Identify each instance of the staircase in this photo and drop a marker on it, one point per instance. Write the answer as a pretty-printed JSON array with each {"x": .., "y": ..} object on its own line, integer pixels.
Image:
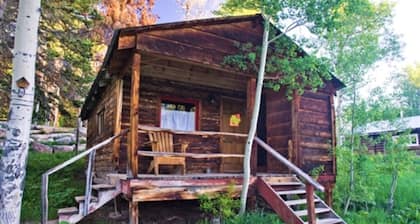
[
  {"x": 103, "y": 193},
  {"x": 287, "y": 197}
]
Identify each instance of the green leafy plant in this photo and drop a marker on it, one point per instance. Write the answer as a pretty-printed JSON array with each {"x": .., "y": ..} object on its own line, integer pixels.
[
  {"x": 316, "y": 171},
  {"x": 220, "y": 205}
]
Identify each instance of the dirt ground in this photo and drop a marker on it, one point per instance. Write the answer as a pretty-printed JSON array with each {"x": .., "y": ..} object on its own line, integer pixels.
[{"x": 173, "y": 212}]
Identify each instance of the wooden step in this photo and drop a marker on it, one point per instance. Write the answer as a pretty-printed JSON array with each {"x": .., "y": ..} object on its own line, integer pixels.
[
  {"x": 67, "y": 211},
  {"x": 100, "y": 187},
  {"x": 317, "y": 211},
  {"x": 286, "y": 184},
  {"x": 328, "y": 221},
  {"x": 82, "y": 199},
  {"x": 300, "y": 201},
  {"x": 300, "y": 191}
]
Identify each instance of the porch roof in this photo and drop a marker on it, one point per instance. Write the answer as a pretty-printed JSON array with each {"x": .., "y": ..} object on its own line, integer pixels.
[{"x": 205, "y": 44}]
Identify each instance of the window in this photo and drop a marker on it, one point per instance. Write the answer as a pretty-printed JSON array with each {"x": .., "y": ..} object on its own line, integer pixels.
[
  {"x": 178, "y": 114},
  {"x": 100, "y": 121},
  {"x": 413, "y": 139}
]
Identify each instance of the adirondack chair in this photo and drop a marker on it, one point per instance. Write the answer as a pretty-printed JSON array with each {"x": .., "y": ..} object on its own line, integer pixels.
[{"x": 162, "y": 141}]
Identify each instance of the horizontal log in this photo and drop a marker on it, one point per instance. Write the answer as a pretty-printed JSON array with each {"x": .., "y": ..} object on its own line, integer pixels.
[
  {"x": 181, "y": 193},
  {"x": 198, "y": 38},
  {"x": 190, "y": 155},
  {"x": 188, "y": 181},
  {"x": 320, "y": 158},
  {"x": 316, "y": 145},
  {"x": 125, "y": 42},
  {"x": 144, "y": 129}
]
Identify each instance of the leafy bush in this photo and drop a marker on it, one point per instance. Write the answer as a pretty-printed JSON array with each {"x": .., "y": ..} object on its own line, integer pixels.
[
  {"x": 407, "y": 215},
  {"x": 221, "y": 205}
]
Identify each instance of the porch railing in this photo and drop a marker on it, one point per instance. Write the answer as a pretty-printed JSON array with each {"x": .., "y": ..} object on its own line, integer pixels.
[
  {"x": 310, "y": 183},
  {"x": 89, "y": 176}
]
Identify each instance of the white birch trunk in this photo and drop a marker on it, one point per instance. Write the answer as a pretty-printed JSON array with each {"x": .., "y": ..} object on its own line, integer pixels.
[
  {"x": 254, "y": 119},
  {"x": 15, "y": 152}
]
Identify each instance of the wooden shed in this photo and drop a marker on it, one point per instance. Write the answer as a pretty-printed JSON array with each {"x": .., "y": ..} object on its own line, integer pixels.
[
  {"x": 373, "y": 133},
  {"x": 171, "y": 78}
]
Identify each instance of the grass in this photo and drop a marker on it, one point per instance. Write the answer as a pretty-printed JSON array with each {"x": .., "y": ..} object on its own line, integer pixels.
[
  {"x": 407, "y": 201},
  {"x": 63, "y": 185}
]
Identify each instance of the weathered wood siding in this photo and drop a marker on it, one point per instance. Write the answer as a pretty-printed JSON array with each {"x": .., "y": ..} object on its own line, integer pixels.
[
  {"x": 151, "y": 92},
  {"x": 107, "y": 103},
  {"x": 306, "y": 121},
  {"x": 206, "y": 44},
  {"x": 278, "y": 127},
  {"x": 315, "y": 128}
]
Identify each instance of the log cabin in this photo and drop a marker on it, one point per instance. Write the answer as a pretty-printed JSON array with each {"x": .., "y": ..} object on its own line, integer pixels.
[
  {"x": 372, "y": 133},
  {"x": 170, "y": 80}
]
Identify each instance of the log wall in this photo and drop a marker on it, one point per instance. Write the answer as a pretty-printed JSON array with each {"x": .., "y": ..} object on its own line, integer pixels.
[
  {"x": 308, "y": 122},
  {"x": 315, "y": 128},
  {"x": 151, "y": 91},
  {"x": 279, "y": 127},
  {"x": 107, "y": 103}
]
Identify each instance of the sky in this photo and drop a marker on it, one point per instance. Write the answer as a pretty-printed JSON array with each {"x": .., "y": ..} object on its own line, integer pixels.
[{"x": 406, "y": 19}]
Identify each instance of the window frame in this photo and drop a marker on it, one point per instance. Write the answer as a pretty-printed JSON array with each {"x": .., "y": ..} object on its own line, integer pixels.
[
  {"x": 100, "y": 121},
  {"x": 180, "y": 100}
]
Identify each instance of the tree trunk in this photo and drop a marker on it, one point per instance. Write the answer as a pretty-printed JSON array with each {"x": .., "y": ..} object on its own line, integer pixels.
[
  {"x": 392, "y": 191},
  {"x": 254, "y": 119},
  {"x": 15, "y": 152},
  {"x": 351, "y": 181}
]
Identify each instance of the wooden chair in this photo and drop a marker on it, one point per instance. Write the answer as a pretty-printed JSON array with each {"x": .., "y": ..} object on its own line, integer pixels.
[{"x": 162, "y": 141}]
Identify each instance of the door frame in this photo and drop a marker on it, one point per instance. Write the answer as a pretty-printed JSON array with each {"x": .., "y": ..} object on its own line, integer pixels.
[{"x": 224, "y": 98}]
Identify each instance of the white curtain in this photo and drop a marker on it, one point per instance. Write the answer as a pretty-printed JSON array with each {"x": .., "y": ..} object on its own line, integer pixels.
[{"x": 177, "y": 120}]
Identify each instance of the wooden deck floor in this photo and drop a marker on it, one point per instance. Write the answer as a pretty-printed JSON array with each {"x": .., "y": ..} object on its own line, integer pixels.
[{"x": 148, "y": 187}]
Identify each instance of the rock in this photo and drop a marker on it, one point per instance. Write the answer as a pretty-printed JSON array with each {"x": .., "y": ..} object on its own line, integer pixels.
[
  {"x": 63, "y": 148},
  {"x": 66, "y": 140},
  {"x": 42, "y": 138},
  {"x": 39, "y": 147},
  {"x": 2, "y": 133}
]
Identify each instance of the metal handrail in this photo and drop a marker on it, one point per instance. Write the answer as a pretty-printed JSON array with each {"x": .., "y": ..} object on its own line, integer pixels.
[
  {"x": 289, "y": 165},
  {"x": 91, "y": 152}
]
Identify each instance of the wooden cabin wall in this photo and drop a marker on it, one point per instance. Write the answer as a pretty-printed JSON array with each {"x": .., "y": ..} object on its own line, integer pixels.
[
  {"x": 151, "y": 91},
  {"x": 306, "y": 121},
  {"x": 107, "y": 104},
  {"x": 315, "y": 131},
  {"x": 278, "y": 127}
]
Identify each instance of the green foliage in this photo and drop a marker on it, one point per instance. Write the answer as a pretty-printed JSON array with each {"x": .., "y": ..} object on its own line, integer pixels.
[
  {"x": 362, "y": 190},
  {"x": 413, "y": 72},
  {"x": 316, "y": 171},
  {"x": 63, "y": 186},
  {"x": 298, "y": 70},
  {"x": 407, "y": 215},
  {"x": 222, "y": 205},
  {"x": 396, "y": 158},
  {"x": 376, "y": 183},
  {"x": 254, "y": 217}
]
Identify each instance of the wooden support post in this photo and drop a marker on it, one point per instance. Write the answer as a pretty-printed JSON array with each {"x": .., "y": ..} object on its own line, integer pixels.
[
  {"x": 310, "y": 203},
  {"x": 254, "y": 159},
  {"x": 117, "y": 128},
  {"x": 250, "y": 96},
  {"x": 329, "y": 194},
  {"x": 134, "y": 212},
  {"x": 296, "y": 154},
  {"x": 134, "y": 117},
  {"x": 78, "y": 125}
]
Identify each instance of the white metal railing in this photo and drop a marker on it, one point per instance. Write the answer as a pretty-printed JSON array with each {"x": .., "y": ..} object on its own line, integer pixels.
[{"x": 89, "y": 176}]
